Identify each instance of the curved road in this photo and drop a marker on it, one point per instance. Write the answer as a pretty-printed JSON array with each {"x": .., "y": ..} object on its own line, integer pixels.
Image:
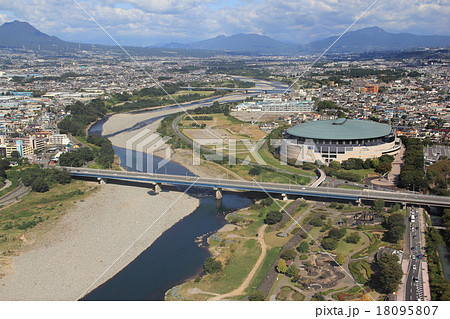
[{"x": 18, "y": 193}]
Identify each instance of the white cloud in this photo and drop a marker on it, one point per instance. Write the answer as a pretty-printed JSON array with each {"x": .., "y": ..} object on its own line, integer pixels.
[{"x": 150, "y": 21}]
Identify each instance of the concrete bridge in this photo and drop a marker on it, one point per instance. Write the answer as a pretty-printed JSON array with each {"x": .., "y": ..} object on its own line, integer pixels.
[
  {"x": 246, "y": 90},
  {"x": 158, "y": 180}
]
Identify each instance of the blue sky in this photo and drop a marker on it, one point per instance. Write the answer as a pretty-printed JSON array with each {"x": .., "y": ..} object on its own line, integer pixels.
[{"x": 148, "y": 22}]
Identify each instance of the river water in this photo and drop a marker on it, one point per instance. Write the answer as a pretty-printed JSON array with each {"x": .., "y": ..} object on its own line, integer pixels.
[
  {"x": 444, "y": 254},
  {"x": 175, "y": 256}
]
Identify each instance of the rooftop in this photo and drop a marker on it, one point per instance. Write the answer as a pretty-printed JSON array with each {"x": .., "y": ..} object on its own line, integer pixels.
[{"x": 340, "y": 129}]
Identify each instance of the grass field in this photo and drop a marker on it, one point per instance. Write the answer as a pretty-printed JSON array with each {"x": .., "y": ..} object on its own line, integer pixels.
[
  {"x": 187, "y": 92},
  {"x": 268, "y": 175},
  {"x": 361, "y": 172},
  {"x": 347, "y": 248},
  {"x": 37, "y": 209},
  {"x": 349, "y": 187},
  {"x": 271, "y": 256},
  {"x": 361, "y": 271},
  {"x": 235, "y": 271},
  {"x": 272, "y": 161}
]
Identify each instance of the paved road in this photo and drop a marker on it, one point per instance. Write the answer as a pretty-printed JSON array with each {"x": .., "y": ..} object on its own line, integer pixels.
[
  {"x": 414, "y": 284},
  {"x": 19, "y": 192},
  {"x": 277, "y": 188}
]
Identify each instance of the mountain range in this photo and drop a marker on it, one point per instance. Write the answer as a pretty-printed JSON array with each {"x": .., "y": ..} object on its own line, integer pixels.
[{"x": 18, "y": 34}]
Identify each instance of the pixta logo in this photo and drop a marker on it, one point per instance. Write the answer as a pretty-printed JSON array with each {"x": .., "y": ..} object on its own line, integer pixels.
[{"x": 141, "y": 148}]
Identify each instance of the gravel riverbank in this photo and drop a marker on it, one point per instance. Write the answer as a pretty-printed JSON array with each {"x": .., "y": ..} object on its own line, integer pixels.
[{"x": 89, "y": 239}]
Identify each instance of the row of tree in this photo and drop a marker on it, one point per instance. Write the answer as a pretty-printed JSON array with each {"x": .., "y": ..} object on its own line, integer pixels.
[
  {"x": 77, "y": 158},
  {"x": 81, "y": 115},
  {"x": 412, "y": 174},
  {"x": 104, "y": 156},
  {"x": 40, "y": 180},
  {"x": 395, "y": 226}
]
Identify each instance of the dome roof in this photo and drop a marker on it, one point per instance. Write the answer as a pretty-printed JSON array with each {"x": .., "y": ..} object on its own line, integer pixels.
[{"x": 340, "y": 129}]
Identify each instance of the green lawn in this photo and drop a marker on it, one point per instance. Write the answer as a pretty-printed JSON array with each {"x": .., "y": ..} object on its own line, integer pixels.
[
  {"x": 272, "y": 161},
  {"x": 238, "y": 266},
  {"x": 347, "y": 248},
  {"x": 269, "y": 260},
  {"x": 267, "y": 175},
  {"x": 349, "y": 187},
  {"x": 361, "y": 271},
  {"x": 361, "y": 172}
]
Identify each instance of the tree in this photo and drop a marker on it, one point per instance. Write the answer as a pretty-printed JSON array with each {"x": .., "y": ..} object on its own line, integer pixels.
[
  {"x": 337, "y": 233},
  {"x": 273, "y": 217},
  {"x": 267, "y": 201},
  {"x": 303, "y": 247},
  {"x": 352, "y": 163},
  {"x": 353, "y": 238},
  {"x": 292, "y": 270},
  {"x": 282, "y": 267},
  {"x": 257, "y": 295},
  {"x": 63, "y": 177},
  {"x": 254, "y": 171},
  {"x": 4, "y": 164},
  {"x": 335, "y": 165},
  {"x": 395, "y": 226},
  {"x": 316, "y": 221},
  {"x": 15, "y": 154},
  {"x": 329, "y": 243},
  {"x": 308, "y": 166},
  {"x": 288, "y": 254},
  {"x": 378, "y": 205},
  {"x": 212, "y": 266},
  {"x": 383, "y": 168},
  {"x": 39, "y": 185},
  {"x": 388, "y": 274}
]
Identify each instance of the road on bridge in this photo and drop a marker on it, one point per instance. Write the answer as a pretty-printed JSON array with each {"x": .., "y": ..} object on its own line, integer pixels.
[{"x": 286, "y": 189}]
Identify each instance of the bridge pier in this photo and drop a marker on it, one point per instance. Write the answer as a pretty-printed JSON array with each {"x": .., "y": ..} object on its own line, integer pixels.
[
  {"x": 405, "y": 206},
  {"x": 284, "y": 197},
  {"x": 101, "y": 181},
  {"x": 218, "y": 193},
  {"x": 359, "y": 202},
  {"x": 157, "y": 188}
]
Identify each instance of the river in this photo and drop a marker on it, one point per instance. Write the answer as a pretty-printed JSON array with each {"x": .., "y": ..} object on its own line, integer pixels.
[
  {"x": 444, "y": 254},
  {"x": 175, "y": 256}
]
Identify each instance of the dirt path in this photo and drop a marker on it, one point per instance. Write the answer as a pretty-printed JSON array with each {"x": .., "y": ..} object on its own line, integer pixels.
[{"x": 241, "y": 289}]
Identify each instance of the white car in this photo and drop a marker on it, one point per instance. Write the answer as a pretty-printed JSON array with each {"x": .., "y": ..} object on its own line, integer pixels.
[{"x": 414, "y": 267}]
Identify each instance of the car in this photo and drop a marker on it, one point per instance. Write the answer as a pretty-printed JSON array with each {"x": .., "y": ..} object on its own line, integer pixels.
[
  {"x": 412, "y": 248},
  {"x": 416, "y": 279},
  {"x": 419, "y": 256},
  {"x": 414, "y": 236},
  {"x": 414, "y": 267},
  {"x": 413, "y": 257}
]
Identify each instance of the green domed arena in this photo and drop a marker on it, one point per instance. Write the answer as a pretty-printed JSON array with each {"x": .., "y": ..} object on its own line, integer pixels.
[{"x": 338, "y": 140}]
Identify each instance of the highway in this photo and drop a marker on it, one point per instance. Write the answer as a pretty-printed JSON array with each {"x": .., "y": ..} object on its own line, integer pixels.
[
  {"x": 414, "y": 282},
  {"x": 276, "y": 188}
]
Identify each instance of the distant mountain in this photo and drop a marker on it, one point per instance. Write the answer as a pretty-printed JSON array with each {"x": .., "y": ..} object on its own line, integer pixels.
[
  {"x": 252, "y": 43},
  {"x": 17, "y": 34},
  {"x": 376, "y": 39}
]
